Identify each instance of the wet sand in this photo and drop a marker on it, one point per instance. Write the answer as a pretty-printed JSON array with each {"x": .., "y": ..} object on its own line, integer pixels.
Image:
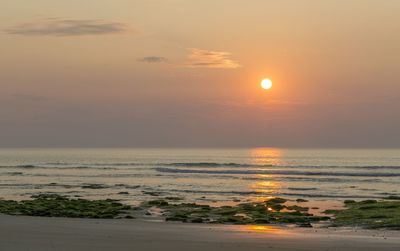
[{"x": 19, "y": 233}]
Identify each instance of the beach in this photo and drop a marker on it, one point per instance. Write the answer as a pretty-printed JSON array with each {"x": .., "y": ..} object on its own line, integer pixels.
[
  {"x": 20, "y": 233},
  {"x": 143, "y": 196}
]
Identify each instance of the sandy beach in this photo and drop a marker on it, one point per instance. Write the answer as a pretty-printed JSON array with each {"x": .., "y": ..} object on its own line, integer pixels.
[{"x": 20, "y": 233}]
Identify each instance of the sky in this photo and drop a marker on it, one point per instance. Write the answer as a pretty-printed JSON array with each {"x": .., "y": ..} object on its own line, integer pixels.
[{"x": 187, "y": 73}]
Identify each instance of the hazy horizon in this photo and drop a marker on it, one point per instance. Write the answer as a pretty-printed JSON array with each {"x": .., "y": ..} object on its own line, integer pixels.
[{"x": 179, "y": 73}]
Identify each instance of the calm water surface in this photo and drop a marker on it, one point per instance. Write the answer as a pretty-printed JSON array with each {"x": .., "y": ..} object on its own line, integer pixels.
[{"x": 200, "y": 175}]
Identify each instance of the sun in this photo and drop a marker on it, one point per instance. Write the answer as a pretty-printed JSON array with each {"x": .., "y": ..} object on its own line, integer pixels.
[{"x": 266, "y": 84}]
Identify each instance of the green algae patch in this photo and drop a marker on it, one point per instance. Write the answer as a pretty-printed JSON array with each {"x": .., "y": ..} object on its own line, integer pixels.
[
  {"x": 52, "y": 205},
  {"x": 393, "y": 197},
  {"x": 172, "y": 198},
  {"x": 267, "y": 212},
  {"x": 94, "y": 186},
  {"x": 301, "y": 200},
  {"x": 370, "y": 214}
]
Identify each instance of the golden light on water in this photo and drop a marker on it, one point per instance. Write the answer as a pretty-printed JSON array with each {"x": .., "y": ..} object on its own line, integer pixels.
[
  {"x": 265, "y": 186},
  {"x": 266, "y": 229},
  {"x": 266, "y": 84},
  {"x": 262, "y": 228},
  {"x": 266, "y": 156},
  {"x": 263, "y": 198}
]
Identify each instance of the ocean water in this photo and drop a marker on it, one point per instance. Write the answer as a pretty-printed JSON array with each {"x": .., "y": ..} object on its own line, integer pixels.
[{"x": 200, "y": 175}]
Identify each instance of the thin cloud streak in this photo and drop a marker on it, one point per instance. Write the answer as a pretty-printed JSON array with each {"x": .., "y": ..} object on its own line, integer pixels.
[
  {"x": 67, "y": 27},
  {"x": 211, "y": 59},
  {"x": 153, "y": 59}
]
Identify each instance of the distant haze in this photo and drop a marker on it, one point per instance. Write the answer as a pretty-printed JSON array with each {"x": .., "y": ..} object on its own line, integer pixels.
[{"x": 182, "y": 73}]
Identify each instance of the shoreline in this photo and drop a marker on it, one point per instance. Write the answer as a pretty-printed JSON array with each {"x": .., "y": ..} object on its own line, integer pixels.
[
  {"x": 19, "y": 233},
  {"x": 369, "y": 214}
]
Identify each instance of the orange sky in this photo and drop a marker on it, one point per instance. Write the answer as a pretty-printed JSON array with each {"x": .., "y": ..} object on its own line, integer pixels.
[{"x": 174, "y": 73}]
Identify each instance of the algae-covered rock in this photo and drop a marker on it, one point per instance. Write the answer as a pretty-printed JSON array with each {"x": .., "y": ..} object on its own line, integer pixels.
[
  {"x": 52, "y": 205},
  {"x": 393, "y": 197},
  {"x": 276, "y": 200},
  {"x": 368, "y": 214},
  {"x": 301, "y": 200},
  {"x": 151, "y": 193},
  {"x": 269, "y": 211},
  {"x": 276, "y": 204},
  {"x": 173, "y": 198},
  {"x": 159, "y": 203},
  {"x": 298, "y": 208},
  {"x": 94, "y": 186},
  {"x": 197, "y": 220},
  {"x": 304, "y": 224}
]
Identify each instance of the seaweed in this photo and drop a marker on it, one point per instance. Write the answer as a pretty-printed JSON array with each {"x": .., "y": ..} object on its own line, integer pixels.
[
  {"x": 369, "y": 214},
  {"x": 94, "y": 186},
  {"x": 269, "y": 211},
  {"x": 53, "y": 205},
  {"x": 301, "y": 200}
]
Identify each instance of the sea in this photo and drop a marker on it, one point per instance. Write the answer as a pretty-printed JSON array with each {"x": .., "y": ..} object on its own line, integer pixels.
[{"x": 201, "y": 175}]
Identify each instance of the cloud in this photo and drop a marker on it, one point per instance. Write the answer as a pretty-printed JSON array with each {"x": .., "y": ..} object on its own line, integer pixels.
[
  {"x": 67, "y": 27},
  {"x": 211, "y": 59},
  {"x": 153, "y": 59}
]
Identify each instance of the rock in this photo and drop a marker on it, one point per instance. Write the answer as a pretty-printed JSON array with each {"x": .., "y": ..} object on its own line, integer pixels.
[
  {"x": 393, "y": 197},
  {"x": 301, "y": 200},
  {"x": 196, "y": 220},
  {"x": 151, "y": 193},
  {"x": 304, "y": 224},
  {"x": 53, "y": 205},
  {"x": 94, "y": 186},
  {"x": 174, "y": 198}
]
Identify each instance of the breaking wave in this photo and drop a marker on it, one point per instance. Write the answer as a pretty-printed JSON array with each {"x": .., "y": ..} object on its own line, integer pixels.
[{"x": 279, "y": 172}]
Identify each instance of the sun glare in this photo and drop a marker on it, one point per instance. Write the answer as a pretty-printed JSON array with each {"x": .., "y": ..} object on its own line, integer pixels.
[{"x": 266, "y": 84}]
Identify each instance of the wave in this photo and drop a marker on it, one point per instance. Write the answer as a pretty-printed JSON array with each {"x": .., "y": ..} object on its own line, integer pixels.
[
  {"x": 345, "y": 167},
  {"x": 115, "y": 165},
  {"x": 56, "y": 167},
  {"x": 314, "y": 179},
  {"x": 302, "y": 188},
  {"x": 299, "y": 195},
  {"x": 26, "y": 166},
  {"x": 279, "y": 172},
  {"x": 96, "y": 164},
  {"x": 212, "y": 164}
]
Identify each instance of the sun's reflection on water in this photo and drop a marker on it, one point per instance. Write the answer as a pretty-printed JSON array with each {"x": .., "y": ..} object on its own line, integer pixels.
[
  {"x": 266, "y": 158},
  {"x": 263, "y": 229},
  {"x": 265, "y": 186}
]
